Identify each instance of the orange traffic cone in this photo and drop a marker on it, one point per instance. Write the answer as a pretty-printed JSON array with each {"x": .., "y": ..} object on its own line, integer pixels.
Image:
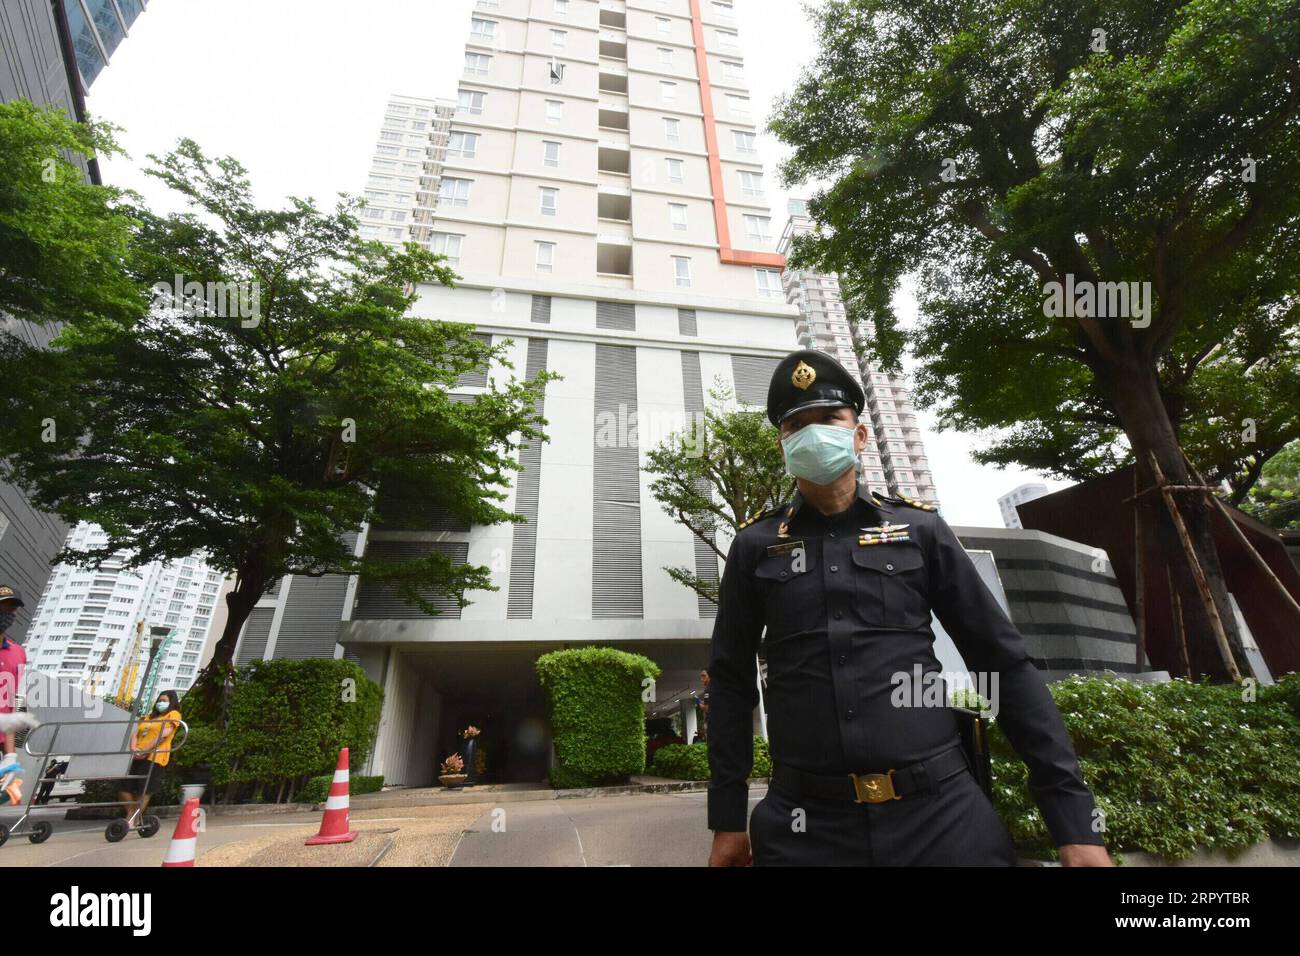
[
  {"x": 180, "y": 852},
  {"x": 334, "y": 824}
]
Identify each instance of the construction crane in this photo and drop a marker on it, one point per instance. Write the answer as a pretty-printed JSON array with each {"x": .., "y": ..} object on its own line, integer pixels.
[
  {"x": 145, "y": 698},
  {"x": 130, "y": 668}
]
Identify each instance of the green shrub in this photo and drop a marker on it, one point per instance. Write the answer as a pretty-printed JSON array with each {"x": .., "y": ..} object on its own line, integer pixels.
[
  {"x": 318, "y": 788},
  {"x": 691, "y": 761},
  {"x": 597, "y": 713},
  {"x": 285, "y": 722},
  {"x": 1173, "y": 766}
]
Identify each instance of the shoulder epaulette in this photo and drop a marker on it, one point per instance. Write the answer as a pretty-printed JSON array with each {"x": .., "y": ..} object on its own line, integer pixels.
[
  {"x": 912, "y": 503},
  {"x": 758, "y": 517}
]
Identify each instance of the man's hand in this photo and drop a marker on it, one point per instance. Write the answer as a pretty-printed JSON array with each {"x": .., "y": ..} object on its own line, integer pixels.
[
  {"x": 730, "y": 849},
  {"x": 1082, "y": 854}
]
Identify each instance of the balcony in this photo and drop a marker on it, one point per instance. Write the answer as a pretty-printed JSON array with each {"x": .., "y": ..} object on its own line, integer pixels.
[
  {"x": 613, "y": 19},
  {"x": 615, "y": 158},
  {"x": 616, "y": 207}
]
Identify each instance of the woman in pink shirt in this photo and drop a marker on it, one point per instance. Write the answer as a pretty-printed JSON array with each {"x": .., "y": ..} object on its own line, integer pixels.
[{"x": 12, "y": 661}]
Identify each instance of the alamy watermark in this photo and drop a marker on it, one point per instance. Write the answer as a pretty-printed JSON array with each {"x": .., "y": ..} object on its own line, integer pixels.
[
  {"x": 1098, "y": 300},
  {"x": 225, "y": 300}
]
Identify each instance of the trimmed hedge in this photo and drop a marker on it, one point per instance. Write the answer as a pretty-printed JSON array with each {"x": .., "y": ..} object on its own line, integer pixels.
[
  {"x": 318, "y": 788},
  {"x": 1173, "y": 766},
  {"x": 691, "y": 761},
  {"x": 597, "y": 714},
  {"x": 285, "y": 722}
]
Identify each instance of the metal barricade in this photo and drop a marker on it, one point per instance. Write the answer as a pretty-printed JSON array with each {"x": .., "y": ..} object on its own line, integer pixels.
[{"x": 146, "y": 824}]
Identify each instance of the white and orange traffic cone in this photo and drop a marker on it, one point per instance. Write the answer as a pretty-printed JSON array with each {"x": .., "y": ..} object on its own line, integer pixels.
[
  {"x": 334, "y": 824},
  {"x": 180, "y": 852}
]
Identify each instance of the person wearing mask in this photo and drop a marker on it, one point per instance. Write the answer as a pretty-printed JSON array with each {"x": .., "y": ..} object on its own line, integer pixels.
[{"x": 151, "y": 750}]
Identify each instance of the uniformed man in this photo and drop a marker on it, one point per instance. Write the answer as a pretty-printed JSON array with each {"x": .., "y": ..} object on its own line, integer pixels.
[{"x": 844, "y": 582}]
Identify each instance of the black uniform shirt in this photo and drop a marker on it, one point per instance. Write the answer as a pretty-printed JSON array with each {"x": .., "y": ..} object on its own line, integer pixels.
[{"x": 842, "y": 619}]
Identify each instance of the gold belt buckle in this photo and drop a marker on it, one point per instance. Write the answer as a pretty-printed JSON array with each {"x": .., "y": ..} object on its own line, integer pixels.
[{"x": 874, "y": 787}]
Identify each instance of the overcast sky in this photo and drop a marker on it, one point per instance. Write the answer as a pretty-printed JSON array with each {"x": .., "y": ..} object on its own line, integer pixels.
[{"x": 295, "y": 90}]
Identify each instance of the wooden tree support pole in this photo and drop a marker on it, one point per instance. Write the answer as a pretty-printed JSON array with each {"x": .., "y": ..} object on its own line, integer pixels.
[
  {"x": 1256, "y": 558},
  {"x": 1198, "y": 573},
  {"x": 1139, "y": 577}
]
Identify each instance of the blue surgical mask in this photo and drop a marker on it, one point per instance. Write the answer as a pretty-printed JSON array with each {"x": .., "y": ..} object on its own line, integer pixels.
[
  {"x": 161, "y": 706},
  {"x": 820, "y": 453}
]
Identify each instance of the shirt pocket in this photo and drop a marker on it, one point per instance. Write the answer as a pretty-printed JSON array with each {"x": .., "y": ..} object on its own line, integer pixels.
[
  {"x": 890, "y": 588},
  {"x": 793, "y": 598}
]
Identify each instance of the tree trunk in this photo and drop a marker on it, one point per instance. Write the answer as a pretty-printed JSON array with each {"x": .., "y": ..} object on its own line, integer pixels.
[
  {"x": 1137, "y": 401},
  {"x": 207, "y": 687}
]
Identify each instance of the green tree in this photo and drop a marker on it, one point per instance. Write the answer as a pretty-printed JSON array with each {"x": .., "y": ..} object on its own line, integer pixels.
[
  {"x": 715, "y": 473},
  {"x": 1276, "y": 499},
  {"x": 1000, "y": 149},
  {"x": 277, "y": 405},
  {"x": 63, "y": 241}
]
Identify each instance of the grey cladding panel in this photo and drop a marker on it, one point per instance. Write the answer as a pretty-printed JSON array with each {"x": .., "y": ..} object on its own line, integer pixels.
[
  {"x": 753, "y": 375},
  {"x": 312, "y": 613},
  {"x": 616, "y": 508},
  {"x": 619, "y": 316},
  {"x": 686, "y": 322},
  {"x": 256, "y": 630},
  {"x": 377, "y": 600},
  {"x": 541, "y": 310},
  {"x": 478, "y": 377},
  {"x": 523, "y": 553}
]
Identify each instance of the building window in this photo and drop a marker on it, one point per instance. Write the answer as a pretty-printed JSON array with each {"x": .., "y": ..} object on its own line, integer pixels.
[
  {"x": 550, "y": 200},
  {"x": 682, "y": 269},
  {"x": 551, "y": 154},
  {"x": 745, "y": 141},
  {"x": 738, "y": 105},
  {"x": 477, "y": 63},
  {"x": 675, "y": 171},
  {"x": 668, "y": 91},
  {"x": 471, "y": 102},
  {"x": 672, "y": 130},
  {"x": 447, "y": 244},
  {"x": 561, "y": 8},
  {"x": 483, "y": 29},
  {"x": 723, "y": 8},
  {"x": 545, "y": 257},
  {"x": 454, "y": 192},
  {"x": 751, "y": 183},
  {"x": 759, "y": 228},
  {"x": 728, "y": 39},
  {"x": 462, "y": 144},
  {"x": 559, "y": 38},
  {"x": 554, "y": 111},
  {"x": 556, "y": 72},
  {"x": 769, "y": 283},
  {"x": 734, "y": 70},
  {"x": 677, "y": 216},
  {"x": 665, "y": 25},
  {"x": 666, "y": 55}
]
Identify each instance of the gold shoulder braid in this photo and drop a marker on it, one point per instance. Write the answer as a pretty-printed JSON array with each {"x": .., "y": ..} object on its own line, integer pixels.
[
  {"x": 756, "y": 517},
  {"x": 916, "y": 504}
]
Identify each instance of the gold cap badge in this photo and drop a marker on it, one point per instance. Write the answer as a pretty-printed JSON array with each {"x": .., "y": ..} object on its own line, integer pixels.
[{"x": 803, "y": 375}]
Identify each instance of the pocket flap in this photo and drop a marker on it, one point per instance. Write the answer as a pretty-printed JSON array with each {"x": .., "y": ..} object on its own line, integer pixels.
[
  {"x": 780, "y": 567},
  {"x": 887, "y": 559}
]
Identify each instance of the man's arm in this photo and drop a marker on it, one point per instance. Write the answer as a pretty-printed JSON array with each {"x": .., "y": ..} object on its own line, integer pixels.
[
  {"x": 989, "y": 643},
  {"x": 733, "y": 695}
]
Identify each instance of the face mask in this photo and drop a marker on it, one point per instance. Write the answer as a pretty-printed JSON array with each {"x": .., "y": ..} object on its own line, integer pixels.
[
  {"x": 820, "y": 453},
  {"x": 7, "y": 619},
  {"x": 161, "y": 706}
]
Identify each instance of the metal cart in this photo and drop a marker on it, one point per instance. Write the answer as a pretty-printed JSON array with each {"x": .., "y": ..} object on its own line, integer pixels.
[{"x": 37, "y": 830}]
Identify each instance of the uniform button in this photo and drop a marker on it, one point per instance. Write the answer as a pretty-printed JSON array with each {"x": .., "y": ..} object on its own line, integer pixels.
[
  {"x": 832, "y": 534},
  {"x": 889, "y": 567},
  {"x": 842, "y": 660},
  {"x": 849, "y": 715},
  {"x": 836, "y": 567}
]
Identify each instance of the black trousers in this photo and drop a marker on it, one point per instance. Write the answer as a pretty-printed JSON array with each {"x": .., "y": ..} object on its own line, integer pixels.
[{"x": 953, "y": 825}]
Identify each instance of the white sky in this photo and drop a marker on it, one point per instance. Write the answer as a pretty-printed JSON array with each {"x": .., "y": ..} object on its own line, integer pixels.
[{"x": 295, "y": 90}]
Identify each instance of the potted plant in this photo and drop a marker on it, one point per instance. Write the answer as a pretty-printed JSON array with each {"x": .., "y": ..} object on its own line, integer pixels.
[
  {"x": 470, "y": 736},
  {"x": 452, "y": 774}
]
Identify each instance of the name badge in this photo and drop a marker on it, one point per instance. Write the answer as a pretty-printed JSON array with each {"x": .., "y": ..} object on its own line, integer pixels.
[{"x": 775, "y": 549}]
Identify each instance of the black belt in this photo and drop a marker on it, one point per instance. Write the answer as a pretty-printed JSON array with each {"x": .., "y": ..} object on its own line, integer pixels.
[{"x": 919, "y": 777}]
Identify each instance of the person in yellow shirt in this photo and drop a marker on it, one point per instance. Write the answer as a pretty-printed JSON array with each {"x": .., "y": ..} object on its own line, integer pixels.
[{"x": 151, "y": 749}]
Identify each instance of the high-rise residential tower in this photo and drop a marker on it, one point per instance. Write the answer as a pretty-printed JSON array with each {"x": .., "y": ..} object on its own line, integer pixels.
[
  {"x": 406, "y": 172},
  {"x": 84, "y": 627},
  {"x": 604, "y": 203},
  {"x": 895, "y": 461},
  {"x": 1018, "y": 496}
]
